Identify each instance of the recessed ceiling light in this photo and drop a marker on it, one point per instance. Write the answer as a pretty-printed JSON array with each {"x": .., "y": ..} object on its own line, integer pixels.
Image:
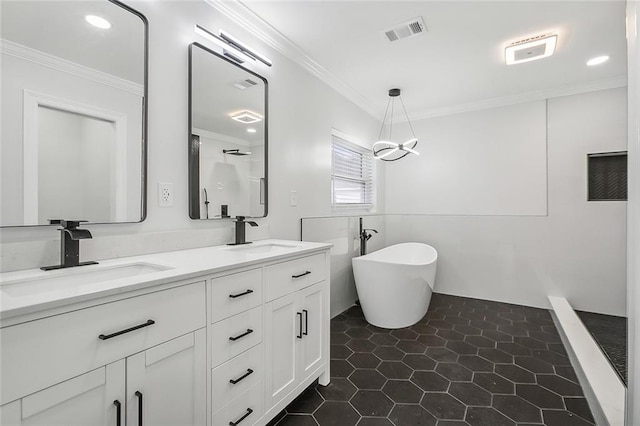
[
  {"x": 98, "y": 22},
  {"x": 246, "y": 116},
  {"x": 530, "y": 49},
  {"x": 251, "y": 130},
  {"x": 598, "y": 60}
]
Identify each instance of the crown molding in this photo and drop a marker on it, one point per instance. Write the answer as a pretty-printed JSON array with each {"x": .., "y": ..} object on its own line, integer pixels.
[
  {"x": 41, "y": 58},
  {"x": 239, "y": 13}
]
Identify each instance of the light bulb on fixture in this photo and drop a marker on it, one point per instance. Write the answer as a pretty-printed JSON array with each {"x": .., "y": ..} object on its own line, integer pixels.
[
  {"x": 251, "y": 130},
  {"x": 598, "y": 60},
  {"x": 386, "y": 150}
]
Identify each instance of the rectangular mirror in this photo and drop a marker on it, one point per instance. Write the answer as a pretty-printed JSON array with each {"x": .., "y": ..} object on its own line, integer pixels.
[
  {"x": 73, "y": 92},
  {"x": 227, "y": 138}
]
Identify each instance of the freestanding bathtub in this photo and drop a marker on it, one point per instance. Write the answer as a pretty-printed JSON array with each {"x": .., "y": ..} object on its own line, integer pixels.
[{"x": 395, "y": 283}]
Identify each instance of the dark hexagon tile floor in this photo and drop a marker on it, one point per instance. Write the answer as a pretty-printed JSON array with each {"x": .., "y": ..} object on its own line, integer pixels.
[{"x": 468, "y": 362}]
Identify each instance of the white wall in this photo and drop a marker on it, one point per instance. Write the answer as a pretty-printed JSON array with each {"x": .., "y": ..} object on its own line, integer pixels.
[
  {"x": 302, "y": 109},
  {"x": 490, "y": 162},
  {"x": 576, "y": 251}
]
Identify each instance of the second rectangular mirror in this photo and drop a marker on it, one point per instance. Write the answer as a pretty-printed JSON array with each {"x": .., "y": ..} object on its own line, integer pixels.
[{"x": 227, "y": 138}]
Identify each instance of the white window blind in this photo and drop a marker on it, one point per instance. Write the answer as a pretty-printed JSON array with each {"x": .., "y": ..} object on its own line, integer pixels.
[{"x": 352, "y": 174}]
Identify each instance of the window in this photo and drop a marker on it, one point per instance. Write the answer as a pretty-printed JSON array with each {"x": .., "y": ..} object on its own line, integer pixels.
[
  {"x": 607, "y": 176},
  {"x": 351, "y": 175}
]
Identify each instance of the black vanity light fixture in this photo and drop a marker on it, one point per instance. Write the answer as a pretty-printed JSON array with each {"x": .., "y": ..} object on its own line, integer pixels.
[
  {"x": 232, "y": 47},
  {"x": 386, "y": 150}
]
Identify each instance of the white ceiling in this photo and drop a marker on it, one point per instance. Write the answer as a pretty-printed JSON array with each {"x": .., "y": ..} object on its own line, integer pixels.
[{"x": 458, "y": 64}]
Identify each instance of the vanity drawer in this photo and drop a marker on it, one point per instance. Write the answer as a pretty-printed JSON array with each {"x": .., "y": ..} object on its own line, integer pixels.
[
  {"x": 286, "y": 277},
  {"x": 248, "y": 405},
  {"x": 40, "y": 353},
  {"x": 235, "y": 335},
  {"x": 245, "y": 370},
  {"x": 235, "y": 293}
]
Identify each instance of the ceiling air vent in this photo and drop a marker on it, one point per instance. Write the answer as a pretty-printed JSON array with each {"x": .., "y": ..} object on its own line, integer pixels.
[
  {"x": 244, "y": 84},
  {"x": 410, "y": 28}
]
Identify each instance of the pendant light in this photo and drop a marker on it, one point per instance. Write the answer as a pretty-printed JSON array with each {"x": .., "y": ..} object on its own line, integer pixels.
[{"x": 387, "y": 150}]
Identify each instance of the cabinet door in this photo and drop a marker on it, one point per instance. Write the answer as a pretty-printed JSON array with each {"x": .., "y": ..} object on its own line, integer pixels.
[
  {"x": 90, "y": 399},
  {"x": 166, "y": 385},
  {"x": 312, "y": 305},
  {"x": 282, "y": 331}
]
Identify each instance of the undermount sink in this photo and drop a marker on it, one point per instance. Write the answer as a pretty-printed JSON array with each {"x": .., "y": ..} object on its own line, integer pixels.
[
  {"x": 75, "y": 278},
  {"x": 257, "y": 248}
]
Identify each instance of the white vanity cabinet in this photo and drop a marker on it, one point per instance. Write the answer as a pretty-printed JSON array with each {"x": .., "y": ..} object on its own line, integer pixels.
[
  {"x": 296, "y": 328},
  {"x": 99, "y": 365}
]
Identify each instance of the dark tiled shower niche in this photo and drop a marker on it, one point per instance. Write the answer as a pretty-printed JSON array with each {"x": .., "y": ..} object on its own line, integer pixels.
[{"x": 467, "y": 362}]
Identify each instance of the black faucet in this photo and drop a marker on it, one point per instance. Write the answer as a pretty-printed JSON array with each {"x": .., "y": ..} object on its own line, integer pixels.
[
  {"x": 240, "y": 230},
  {"x": 70, "y": 244},
  {"x": 364, "y": 237}
]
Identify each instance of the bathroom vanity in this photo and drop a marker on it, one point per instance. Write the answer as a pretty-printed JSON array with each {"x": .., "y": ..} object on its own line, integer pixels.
[{"x": 210, "y": 336}]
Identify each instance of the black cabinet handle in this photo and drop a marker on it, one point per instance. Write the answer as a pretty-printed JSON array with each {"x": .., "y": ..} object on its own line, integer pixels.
[
  {"x": 118, "y": 411},
  {"x": 306, "y": 322},
  {"x": 237, "y": 422},
  {"x": 299, "y": 314},
  {"x": 244, "y": 376},
  {"x": 233, "y": 296},
  {"x": 139, "y": 395},
  {"x": 301, "y": 275},
  {"x": 118, "y": 333},
  {"x": 249, "y": 331}
]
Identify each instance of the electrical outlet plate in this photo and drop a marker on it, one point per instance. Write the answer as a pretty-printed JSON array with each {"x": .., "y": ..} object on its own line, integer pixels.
[{"x": 165, "y": 194}]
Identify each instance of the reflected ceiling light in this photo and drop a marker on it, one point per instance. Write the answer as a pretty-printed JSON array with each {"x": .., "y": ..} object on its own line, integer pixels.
[
  {"x": 598, "y": 60},
  {"x": 246, "y": 116},
  {"x": 227, "y": 49},
  {"x": 244, "y": 48},
  {"x": 530, "y": 49},
  {"x": 386, "y": 150},
  {"x": 251, "y": 130},
  {"x": 98, "y": 22}
]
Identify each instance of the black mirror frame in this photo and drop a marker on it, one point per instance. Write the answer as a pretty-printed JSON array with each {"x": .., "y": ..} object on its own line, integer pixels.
[{"x": 194, "y": 148}]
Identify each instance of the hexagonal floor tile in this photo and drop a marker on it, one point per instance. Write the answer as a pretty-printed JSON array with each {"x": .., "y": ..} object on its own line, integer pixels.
[
  {"x": 563, "y": 418},
  {"x": 375, "y": 421},
  {"x": 371, "y": 403},
  {"x": 534, "y": 365},
  {"x": 383, "y": 340},
  {"x": 431, "y": 340},
  {"x": 495, "y": 355},
  {"x": 470, "y": 393},
  {"x": 336, "y": 414},
  {"x": 462, "y": 348},
  {"x": 340, "y": 352},
  {"x": 423, "y": 329},
  {"x": 441, "y": 354},
  {"x": 297, "y": 420},
  {"x": 405, "y": 334},
  {"x": 443, "y": 405},
  {"x": 559, "y": 385},
  {"x": 411, "y": 346},
  {"x": 402, "y": 392},
  {"x": 340, "y": 368},
  {"x": 484, "y": 416},
  {"x": 494, "y": 383},
  {"x": 430, "y": 381},
  {"x": 539, "y": 396},
  {"x": 454, "y": 371},
  {"x": 515, "y": 374},
  {"x": 498, "y": 336},
  {"x": 361, "y": 345},
  {"x": 359, "y": 333},
  {"x": 450, "y": 335},
  {"x": 337, "y": 390},
  {"x": 388, "y": 353},
  {"x": 411, "y": 414},
  {"x": 367, "y": 379},
  {"x": 475, "y": 363},
  {"x": 517, "y": 408},
  {"x": 364, "y": 360},
  {"x": 480, "y": 341},
  {"x": 395, "y": 370},
  {"x": 419, "y": 362},
  {"x": 306, "y": 403}
]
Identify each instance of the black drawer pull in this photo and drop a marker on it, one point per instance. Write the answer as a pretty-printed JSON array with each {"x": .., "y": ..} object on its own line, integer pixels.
[
  {"x": 139, "y": 395},
  {"x": 244, "y": 376},
  {"x": 118, "y": 333},
  {"x": 301, "y": 275},
  {"x": 237, "y": 422},
  {"x": 306, "y": 322},
  {"x": 299, "y": 314},
  {"x": 118, "y": 411},
  {"x": 233, "y": 296},
  {"x": 249, "y": 331}
]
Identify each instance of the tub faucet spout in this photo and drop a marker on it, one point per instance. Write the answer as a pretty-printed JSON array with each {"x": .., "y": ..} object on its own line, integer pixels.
[{"x": 364, "y": 237}]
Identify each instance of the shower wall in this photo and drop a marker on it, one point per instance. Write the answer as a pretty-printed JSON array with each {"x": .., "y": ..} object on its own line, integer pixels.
[{"x": 342, "y": 232}]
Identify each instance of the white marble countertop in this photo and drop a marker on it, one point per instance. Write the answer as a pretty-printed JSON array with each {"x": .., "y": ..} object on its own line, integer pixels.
[{"x": 33, "y": 290}]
